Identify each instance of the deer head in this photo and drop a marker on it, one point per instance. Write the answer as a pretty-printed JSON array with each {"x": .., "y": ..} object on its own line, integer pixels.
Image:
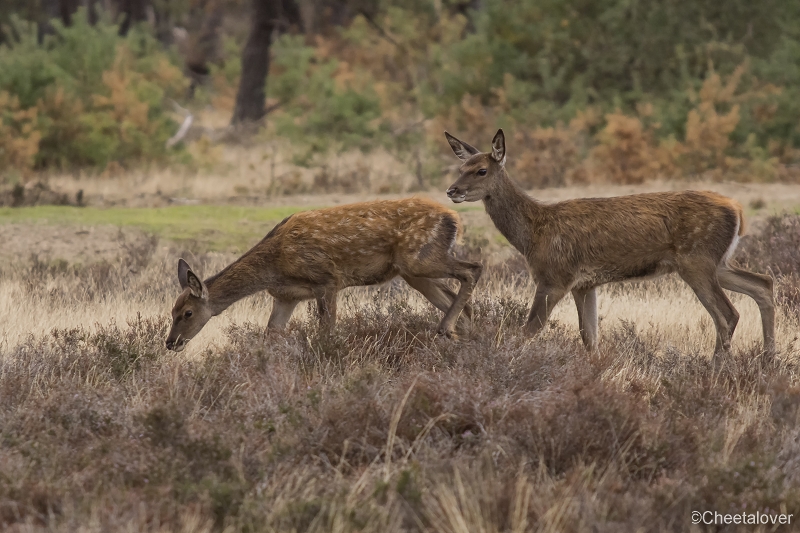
[
  {"x": 191, "y": 310},
  {"x": 479, "y": 170}
]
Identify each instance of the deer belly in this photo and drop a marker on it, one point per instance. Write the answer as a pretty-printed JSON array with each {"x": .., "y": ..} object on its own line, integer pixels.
[
  {"x": 639, "y": 272},
  {"x": 369, "y": 273},
  {"x": 650, "y": 271}
]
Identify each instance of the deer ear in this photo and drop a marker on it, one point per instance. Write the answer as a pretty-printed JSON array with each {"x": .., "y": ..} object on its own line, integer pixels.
[
  {"x": 197, "y": 287},
  {"x": 189, "y": 279},
  {"x": 499, "y": 147},
  {"x": 183, "y": 270},
  {"x": 462, "y": 150}
]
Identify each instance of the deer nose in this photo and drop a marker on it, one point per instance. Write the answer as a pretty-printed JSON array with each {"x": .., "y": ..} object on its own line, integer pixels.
[
  {"x": 452, "y": 191},
  {"x": 170, "y": 344}
]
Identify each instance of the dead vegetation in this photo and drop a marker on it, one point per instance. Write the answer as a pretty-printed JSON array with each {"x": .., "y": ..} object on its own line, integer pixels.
[
  {"x": 380, "y": 426},
  {"x": 36, "y": 193}
]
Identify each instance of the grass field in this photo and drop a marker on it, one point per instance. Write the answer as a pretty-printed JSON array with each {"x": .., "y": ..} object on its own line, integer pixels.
[
  {"x": 378, "y": 425},
  {"x": 223, "y": 228},
  {"x": 218, "y": 228}
]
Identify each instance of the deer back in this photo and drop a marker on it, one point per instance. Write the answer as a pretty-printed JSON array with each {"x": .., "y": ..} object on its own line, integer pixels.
[
  {"x": 636, "y": 236},
  {"x": 362, "y": 244}
]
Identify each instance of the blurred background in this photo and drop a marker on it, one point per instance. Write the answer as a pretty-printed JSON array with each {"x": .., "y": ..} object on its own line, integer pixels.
[
  {"x": 352, "y": 96},
  {"x": 135, "y": 132}
]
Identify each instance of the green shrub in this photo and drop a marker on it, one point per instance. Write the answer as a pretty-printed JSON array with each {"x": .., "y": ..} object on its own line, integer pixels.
[
  {"x": 398, "y": 73},
  {"x": 337, "y": 108},
  {"x": 726, "y": 76},
  {"x": 97, "y": 97}
]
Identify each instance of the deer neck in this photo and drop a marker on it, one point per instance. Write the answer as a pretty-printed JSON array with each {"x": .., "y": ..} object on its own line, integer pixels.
[
  {"x": 248, "y": 275},
  {"x": 512, "y": 211}
]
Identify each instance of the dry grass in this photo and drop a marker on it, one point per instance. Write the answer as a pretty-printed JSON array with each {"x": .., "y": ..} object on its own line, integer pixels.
[
  {"x": 256, "y": 172},
  {"x": 244, "y": 173},
  {"x": 379, "y": 425}
]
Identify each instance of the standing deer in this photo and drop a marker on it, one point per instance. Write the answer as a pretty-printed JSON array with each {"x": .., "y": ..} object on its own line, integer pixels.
[
  {"x": 315, "y": 254},
  {"x": 577, "y": 245}
]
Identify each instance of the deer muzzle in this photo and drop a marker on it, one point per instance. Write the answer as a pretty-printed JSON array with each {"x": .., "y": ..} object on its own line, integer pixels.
[
  {"x": 456, "y": 195},
  {"x": 176, "y": 344}
]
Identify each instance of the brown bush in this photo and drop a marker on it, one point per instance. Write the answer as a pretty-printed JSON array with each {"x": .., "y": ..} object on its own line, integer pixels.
[
  {"x": 708, "y": 130},
  {"x": 547, "y": 157},
  {"x": 627, "y": 152},
  {"x": 356, "y": 180},
  {"x": 19, "y": 139},
  {"x": 33, "y": 193},
  {"x": 776, "y": 249}
]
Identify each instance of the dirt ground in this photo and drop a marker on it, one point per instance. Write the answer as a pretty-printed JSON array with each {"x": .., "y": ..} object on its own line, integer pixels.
[{"x": 74, "y": 244}]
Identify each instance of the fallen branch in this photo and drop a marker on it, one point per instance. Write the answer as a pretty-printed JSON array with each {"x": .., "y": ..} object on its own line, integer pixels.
[{"x": 184, "y": 129}]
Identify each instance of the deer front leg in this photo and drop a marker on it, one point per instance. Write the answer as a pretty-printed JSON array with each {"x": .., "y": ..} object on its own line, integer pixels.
[
  {"x": 544, "y": 301},
  {"x": 326, "y": 306},
  {"x": 586, "y": 302},
  {"x": 281, "y": 313}
]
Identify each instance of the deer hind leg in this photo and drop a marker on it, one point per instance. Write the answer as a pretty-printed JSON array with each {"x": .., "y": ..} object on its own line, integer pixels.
[
  {"x": 466, "y": 272},
  {"x": 708, "y": 290},
  {"x": 759, "y": 288},
  {"x": 281, "y": 313},
  {"x": 544, "y": 301},
  {"x": 586, "y": 302},
  {"x": 440, "y": 295}
]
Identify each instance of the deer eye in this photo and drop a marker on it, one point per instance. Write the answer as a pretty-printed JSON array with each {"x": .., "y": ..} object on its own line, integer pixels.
[
  {"x": 482, "y": 172},
  {"x": 187, "y": 314}
]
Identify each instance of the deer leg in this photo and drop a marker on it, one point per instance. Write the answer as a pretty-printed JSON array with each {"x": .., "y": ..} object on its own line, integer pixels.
[
  {"x": 281, "y": 313},
  {"x": 710, "y": 294},
  {"x": 467, "y": 273},
  {"x": 759, "y": 288},
  {"x": 326, "y": 306},
  {"x": 544, "y": 301},
  {"x": 586, "y": 302},
  {"x": 440, "y": 296}
]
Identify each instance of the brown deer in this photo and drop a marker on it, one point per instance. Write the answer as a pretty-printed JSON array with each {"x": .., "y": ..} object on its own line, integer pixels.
[
  {"x": 577, "y": 245},
  {"x": 315, "y": 254}
]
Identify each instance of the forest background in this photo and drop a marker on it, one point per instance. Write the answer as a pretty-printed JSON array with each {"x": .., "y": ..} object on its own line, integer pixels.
[{"x": 611, "y": 91}]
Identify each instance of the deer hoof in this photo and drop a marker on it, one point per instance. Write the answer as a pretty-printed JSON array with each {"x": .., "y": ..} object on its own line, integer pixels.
[
  {"x": 770, "y": 351},
  {"x": 449, "y": 333}
]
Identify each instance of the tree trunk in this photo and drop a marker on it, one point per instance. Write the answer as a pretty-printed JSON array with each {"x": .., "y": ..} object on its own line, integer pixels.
[
  {"x": 268, "y": 16},
  {"x": 251, "y": 97},
  {"x": 50, "y": 10},
  {"x": 135, "y": 11}
]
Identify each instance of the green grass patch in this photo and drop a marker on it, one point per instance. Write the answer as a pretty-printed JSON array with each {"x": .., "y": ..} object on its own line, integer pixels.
[
  {"x": 215, "y": 228},
  {"x": 201, "y": 227}
]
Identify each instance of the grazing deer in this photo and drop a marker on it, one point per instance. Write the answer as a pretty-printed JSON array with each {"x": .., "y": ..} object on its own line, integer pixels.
[
  {"x": 577, "y": 245},
  {"x": 315, "y": 254}
]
